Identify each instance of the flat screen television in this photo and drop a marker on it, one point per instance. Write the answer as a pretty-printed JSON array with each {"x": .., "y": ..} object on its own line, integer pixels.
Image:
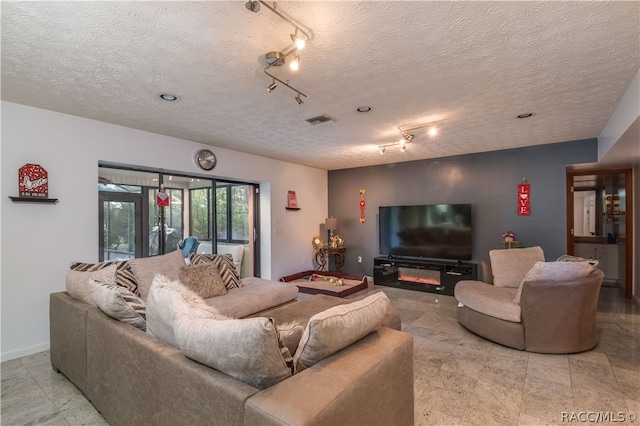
[{"x": 438, "y": 231}]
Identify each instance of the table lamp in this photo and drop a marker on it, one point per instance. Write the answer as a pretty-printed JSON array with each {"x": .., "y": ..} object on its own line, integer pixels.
[{"x": 331, "y": 223}]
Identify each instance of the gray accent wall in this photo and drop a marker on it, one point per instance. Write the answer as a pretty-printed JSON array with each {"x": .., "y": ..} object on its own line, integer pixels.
[{"x": 488, "y": 181}]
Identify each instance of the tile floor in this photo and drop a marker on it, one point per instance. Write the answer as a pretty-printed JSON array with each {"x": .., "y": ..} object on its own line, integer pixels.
[{"x": 460, "y": 379}]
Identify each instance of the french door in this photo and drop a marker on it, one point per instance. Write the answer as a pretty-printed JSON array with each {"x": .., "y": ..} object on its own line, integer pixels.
[{"x": 120, "y": 235}]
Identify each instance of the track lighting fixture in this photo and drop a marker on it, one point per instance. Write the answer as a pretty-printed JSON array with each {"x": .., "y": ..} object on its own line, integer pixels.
[
  {"x": 276, "y": 59},
  {"x": 407, "y": 136},
  {"x": 409, "y": 129}
]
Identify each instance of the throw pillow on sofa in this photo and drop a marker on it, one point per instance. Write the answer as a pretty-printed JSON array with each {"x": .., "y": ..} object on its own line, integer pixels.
[
  {"x": 556, "y": 271},
  {"x": 510, "y": 266},
  {"x": 124, "y": 274},
  {"x": 146, "y": 268},
  {"x": 119, "y": 303},
  {"x": 166, "y": 300},
  {"x": 338, "y": 327},
  {"x": 203, "y": 279},
  {"x": 224, "y": 263},
  {"x": 77, "y": 282},
  {"x": 246, "y": 349}
]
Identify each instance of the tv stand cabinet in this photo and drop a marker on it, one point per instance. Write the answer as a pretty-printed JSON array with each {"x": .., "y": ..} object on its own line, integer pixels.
[{"x": 431, "y": 275}]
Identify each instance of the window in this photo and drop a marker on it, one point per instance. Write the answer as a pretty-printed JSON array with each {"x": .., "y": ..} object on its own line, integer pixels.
[
  {"x": 232, "y": 206},
  {"x": 133, "y": 225},
  {"x": 200, "y": 216}
]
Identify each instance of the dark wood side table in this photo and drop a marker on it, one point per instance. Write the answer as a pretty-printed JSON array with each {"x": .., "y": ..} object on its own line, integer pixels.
[{"x": 321, "y": 256}]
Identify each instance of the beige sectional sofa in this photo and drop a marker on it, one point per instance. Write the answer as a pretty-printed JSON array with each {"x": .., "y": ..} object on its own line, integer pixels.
[{"x": 132, "y": 377}]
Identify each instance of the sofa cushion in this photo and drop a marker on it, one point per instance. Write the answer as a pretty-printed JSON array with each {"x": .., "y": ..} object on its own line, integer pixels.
[
  {"x": 246, "y": 349},
  {"x": 119, "y": 303},
  {"x": 146, "y": 268},
  {"x": 77, "y": 282},
  {"x": 556, "y": 271},
  {"x": 169, "y": 298},
  {"x": 203, "y": 279},
  {"x": 488, "y": 299},
  {"x": 338, "y": 327},
  {"x": 224, "y": 263},
  {"x": 255, "y": 296},
  {"x": 510, "y": 266}
]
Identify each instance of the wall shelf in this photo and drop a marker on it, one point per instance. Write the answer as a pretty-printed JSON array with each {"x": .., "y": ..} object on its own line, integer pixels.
[
  {"x": 34, "y": 200},
  {"x": 292, "y": 208}
]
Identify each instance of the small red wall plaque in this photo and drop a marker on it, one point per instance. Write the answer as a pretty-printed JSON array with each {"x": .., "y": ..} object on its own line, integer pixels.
[
  {"x": 162, "y": 198},
  {"x": 524, "y": 199},
  {"x": 33, "y": 181}
]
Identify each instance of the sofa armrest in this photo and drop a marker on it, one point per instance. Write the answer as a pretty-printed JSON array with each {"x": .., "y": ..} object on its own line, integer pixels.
[
  {"x": 68, "y": 337},
  {"x": 369, "y": 382},
  {"x": 560, "y": 316}
]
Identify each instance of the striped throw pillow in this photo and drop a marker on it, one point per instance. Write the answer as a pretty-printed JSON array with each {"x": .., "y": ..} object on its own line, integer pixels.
[
  {"x": 124, "y": 273},
  {"x": 119, "y": 303}
]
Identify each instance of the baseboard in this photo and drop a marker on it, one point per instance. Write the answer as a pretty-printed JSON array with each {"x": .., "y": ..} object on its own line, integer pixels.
[{"x": 19, "y": 353}]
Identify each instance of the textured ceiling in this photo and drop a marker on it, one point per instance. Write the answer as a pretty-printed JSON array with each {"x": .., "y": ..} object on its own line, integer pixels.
[{"x": 475, "y": 65}]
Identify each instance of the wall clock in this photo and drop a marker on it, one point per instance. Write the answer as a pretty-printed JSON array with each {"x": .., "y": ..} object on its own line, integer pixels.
[{"x": 205, "y": 159}]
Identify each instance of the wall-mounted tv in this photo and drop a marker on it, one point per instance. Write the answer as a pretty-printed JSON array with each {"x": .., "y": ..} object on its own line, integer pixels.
[{"x": 438, "y": 231}]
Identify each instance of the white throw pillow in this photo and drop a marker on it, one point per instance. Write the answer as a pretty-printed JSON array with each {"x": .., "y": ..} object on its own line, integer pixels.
[
  {"x": 146, "y": 268},
  {"x": 338, "y": 327},
  {"x": 510, "y": 266},
  {"x": 77, "y": 283},
  {"x": 169, "y": 298},
  {"x": 119, "y": 303},
  {"x": 555, "y": 271},
  {"x": 246, "y": 349}
]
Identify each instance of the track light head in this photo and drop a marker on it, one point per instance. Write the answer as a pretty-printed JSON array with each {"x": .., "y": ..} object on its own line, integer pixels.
[
  {"x": 299, "y": 99},
  {"x": 272, "y": 86},
  {"x": 381, "y": 150},
  {"x": 295, "y": 64},
  {"x": 299, "y": 42},
  {"x": 253, "y": 6}
]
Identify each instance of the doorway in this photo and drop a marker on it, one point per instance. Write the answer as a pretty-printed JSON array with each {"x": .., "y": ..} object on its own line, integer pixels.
[{"x": 600, "y": 221}]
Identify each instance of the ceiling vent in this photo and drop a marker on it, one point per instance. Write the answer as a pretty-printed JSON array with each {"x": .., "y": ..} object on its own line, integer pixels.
[{"x": 320, "y": 119}]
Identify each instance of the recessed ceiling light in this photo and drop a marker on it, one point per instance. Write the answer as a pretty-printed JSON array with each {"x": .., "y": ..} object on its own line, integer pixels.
[
  {"x": 525, "y": 115},
  {"x": 364, "y": 109},
  {"x": 169, "y": 97}
]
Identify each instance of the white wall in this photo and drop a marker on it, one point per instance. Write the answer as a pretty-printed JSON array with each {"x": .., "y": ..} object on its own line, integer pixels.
[
  {"x": 626, "y": 112},
  {"x": 39, "y": 241}
]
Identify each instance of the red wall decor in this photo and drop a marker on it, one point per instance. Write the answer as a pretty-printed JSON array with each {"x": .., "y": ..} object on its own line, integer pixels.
[
  {"x": 362, "y": 204},
  {"x": 162, "y": 198},
  {"x": 524, "y": 198},
  {"x": 33, "y": 181}
]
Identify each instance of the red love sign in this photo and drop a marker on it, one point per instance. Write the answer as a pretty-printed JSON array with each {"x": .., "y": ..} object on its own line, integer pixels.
[{"x": 524, "y": 199}]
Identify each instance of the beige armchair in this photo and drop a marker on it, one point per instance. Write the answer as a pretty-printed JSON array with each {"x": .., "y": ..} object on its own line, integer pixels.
[{"x": 526, "y": 313}]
